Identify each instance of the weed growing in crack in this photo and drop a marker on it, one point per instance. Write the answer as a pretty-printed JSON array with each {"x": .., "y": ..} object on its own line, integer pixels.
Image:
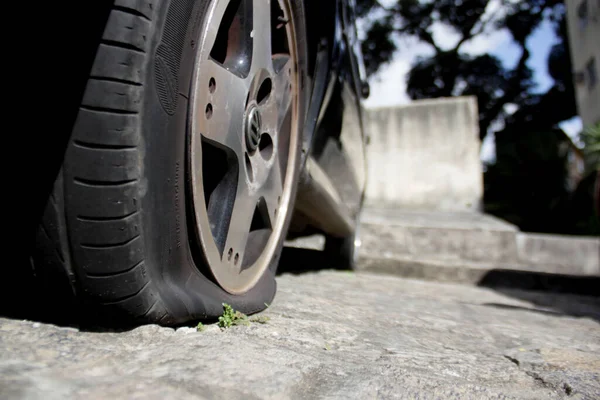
[{"x": 231, "y": 317}]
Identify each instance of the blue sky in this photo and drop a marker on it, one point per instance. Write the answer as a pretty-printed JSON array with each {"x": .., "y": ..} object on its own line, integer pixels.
[{"x": 539, "y": 44}]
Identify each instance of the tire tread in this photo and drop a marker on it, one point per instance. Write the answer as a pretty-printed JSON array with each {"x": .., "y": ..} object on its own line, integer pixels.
[{"x": 97, "y": 194}]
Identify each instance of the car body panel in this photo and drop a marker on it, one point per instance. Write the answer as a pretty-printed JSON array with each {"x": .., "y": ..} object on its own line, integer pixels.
[{"x": 334, "y": 134}]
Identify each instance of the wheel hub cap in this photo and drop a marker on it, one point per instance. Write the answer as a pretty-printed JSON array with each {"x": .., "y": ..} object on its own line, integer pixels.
[{"x": 253, "y": 129}]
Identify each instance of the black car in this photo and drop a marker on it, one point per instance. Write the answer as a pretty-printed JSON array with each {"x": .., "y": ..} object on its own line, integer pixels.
[{"x": 207, "y": 133}]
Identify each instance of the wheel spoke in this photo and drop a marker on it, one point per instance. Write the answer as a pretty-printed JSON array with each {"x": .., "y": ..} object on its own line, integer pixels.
[
  {"x": 282, "y": 64},
  {"x": 239, "y": 225},
  {"x": 212, "y": 28},
  {"x": 257, "y": 82},
  {"x": 220, "y": 119},
  {"x": 261, "y": 34},
  {"x": 275, "y": 110},
  {"x": 283, "y": 87},
  {"x": 272, "y": 189}
]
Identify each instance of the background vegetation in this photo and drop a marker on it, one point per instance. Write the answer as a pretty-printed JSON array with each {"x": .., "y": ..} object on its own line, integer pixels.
[{"x": 529, "y": 183}]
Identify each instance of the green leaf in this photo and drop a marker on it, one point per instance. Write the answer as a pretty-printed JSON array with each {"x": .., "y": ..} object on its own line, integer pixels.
[{"x": 231, "y": 317}]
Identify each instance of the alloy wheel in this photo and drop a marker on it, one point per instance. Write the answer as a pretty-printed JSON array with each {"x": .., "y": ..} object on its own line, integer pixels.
[{"x": 244, "y": 137}]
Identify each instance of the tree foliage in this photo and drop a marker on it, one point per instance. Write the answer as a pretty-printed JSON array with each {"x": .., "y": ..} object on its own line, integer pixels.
[
  {"x": 454, "y": 72},
  {"x": 527, "y": 185},
  {"x": 591, "y": 139}
]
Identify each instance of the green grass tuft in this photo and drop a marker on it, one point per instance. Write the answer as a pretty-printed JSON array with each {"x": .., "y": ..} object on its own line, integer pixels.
[{"x": 231, "y": 317}]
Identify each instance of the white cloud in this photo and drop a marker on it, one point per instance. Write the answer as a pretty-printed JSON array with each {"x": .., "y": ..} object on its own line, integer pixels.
[
  {"x": 510, "y": 108},
  {"x": 444, "y": 36},
  {"x": 487, "y": 153},
  {"x": 389, "y": 86},
  {"x": 573, "y": 128},
  {"x": 486, "y": 42}
]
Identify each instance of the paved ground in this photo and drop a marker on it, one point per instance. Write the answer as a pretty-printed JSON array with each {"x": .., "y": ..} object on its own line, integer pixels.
[{"x": 330, "y": 335}]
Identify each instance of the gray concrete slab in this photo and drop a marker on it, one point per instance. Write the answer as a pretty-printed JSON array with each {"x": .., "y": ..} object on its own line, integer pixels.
[
  {"x": 435, "y": 219},
  {"x": 332, "y": 335},
  {"x": 425, "y": 154},
  {"x": 464, "y": 246},
  {"x": 567, "y": 253}
]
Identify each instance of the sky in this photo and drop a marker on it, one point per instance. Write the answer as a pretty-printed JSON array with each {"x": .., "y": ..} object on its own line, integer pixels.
[{"x": 388, "y": 86}]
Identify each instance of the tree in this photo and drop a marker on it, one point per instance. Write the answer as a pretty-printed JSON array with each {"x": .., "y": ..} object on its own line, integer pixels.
[
  {"x": 591, "y": 140},
  {"x": 452, "y": 71},
  {"x": 526, "y": 184}
]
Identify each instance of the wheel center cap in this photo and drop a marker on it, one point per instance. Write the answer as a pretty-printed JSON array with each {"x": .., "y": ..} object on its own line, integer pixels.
[{"x": 253, "y": 128}]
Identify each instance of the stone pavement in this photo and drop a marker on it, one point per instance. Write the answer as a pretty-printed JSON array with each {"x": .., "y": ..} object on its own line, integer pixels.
[{"x": 333, "y": 335}]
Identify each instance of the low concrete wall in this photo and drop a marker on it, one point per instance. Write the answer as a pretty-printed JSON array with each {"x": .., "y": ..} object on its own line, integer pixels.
[
  {"x": 464, "y": 246},
  {"x": 569, "y": 254},
  {"x": 425, "y": 179},
  {"x": 425, "y": 155}
]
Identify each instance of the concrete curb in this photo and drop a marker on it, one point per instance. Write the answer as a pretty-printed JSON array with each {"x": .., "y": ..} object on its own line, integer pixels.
[
  {"x": 514, "y": 277},
  {"x": 467, "y": 247}
]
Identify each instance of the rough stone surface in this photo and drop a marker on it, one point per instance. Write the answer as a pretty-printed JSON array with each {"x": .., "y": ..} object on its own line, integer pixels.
[{"x": 331, "y": 335}]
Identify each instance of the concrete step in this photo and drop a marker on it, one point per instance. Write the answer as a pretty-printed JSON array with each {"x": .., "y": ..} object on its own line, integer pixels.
[{"x": 465, "y": 246}]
